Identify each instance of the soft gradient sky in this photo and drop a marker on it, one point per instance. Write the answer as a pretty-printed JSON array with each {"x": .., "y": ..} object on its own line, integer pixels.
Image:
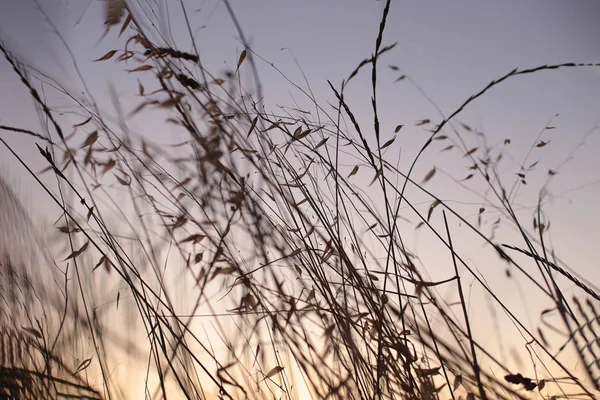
[{"x": 450, "y": 49}]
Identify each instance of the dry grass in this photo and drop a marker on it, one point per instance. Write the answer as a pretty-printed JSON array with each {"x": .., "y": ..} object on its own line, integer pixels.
[{"x": 249, "y": 262}]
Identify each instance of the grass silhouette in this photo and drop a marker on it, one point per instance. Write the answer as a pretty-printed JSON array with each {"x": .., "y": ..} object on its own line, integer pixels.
[{"x": 251, "y": 262}]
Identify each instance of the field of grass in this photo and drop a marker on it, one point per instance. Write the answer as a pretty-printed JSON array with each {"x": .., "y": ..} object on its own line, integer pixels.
[{"x": 271, "y": 254}]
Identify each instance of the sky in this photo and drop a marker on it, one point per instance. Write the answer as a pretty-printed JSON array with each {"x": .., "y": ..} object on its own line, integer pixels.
[{"x": 447, "y": 49}]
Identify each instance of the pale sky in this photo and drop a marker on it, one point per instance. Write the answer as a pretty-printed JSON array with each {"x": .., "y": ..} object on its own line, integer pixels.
[{"x": 450, "y": 49}]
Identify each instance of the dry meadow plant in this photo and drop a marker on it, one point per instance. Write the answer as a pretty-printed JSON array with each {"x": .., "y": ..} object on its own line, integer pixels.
[{"x": 250, "y": 262}]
